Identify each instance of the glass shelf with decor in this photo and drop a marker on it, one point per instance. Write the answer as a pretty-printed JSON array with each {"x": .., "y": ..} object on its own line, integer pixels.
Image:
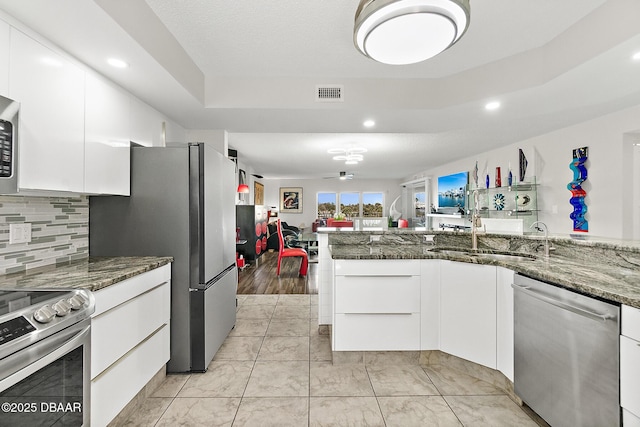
[{"x": 518, "y": 201}]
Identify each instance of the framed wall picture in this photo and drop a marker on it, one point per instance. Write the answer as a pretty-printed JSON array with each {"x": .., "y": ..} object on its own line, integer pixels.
[
  {"x": 291, "y": 199},
  {"x": 258, "y": 193}
]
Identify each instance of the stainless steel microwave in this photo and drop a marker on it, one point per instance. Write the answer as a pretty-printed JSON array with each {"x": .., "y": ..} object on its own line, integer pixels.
[{"x": 9, "y": 110}]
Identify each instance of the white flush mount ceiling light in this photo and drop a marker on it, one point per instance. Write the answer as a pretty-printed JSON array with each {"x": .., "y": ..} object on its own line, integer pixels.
[
  {"x": 636, "y": 56},
  {"x": 350, "y": 156},
  {"x": 369, "y": 123},
  {"x": 400, "y": 32}
]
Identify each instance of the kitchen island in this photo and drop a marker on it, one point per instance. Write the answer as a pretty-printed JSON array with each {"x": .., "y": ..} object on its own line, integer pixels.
[{"x": 433, "y": 300}]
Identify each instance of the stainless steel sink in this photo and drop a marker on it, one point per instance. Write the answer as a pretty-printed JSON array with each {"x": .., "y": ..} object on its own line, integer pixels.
[
  {"x": 505, "y": 257},
  {"x": 485, "y": 255}
]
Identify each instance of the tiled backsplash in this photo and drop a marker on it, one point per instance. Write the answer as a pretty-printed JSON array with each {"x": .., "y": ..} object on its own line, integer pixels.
[{"x": 60, "y": 231}]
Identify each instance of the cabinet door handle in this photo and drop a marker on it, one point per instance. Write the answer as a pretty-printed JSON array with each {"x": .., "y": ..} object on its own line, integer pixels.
[{"x": 377, "y": 275}]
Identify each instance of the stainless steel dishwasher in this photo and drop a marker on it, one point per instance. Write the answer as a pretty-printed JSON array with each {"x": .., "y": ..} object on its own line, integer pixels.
[{"x": 566, "y": 365}]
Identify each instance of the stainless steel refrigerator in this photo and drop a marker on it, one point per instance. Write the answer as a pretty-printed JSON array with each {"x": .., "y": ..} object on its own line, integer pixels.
[{"x": 182, "y": 204}]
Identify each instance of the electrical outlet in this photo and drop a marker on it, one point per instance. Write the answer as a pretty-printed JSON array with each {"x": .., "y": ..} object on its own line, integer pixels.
[{"x": 20, "y": 233}]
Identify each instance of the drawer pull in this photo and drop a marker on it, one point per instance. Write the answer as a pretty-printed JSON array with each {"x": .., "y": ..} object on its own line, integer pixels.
[
  {"x": 383, "y": 313},
  {"x": 378, "y": 275}
]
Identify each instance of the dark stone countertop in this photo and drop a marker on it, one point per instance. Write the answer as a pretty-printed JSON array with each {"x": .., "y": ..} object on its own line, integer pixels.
[
  {"x": 93, "y": 274},
  {"x": 615, "y": 280}
]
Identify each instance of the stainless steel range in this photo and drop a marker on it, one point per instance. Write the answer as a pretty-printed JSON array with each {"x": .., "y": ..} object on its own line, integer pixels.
[{"x": 45, "y": 357}]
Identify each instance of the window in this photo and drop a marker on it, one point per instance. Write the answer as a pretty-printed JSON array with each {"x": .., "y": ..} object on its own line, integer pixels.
[
  {"x": 350, "y": 204},
  {"x": 372, "y": 204},
  {"x": 327, "y": 205}
]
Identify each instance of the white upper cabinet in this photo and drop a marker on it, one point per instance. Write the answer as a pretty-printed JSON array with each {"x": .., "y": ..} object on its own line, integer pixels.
[
  {"x": 50, "y": 90},
  {"x": 107, "y": 138},
  {"x": 146, "y": 124},
  {"x": 5, "y": 46}
]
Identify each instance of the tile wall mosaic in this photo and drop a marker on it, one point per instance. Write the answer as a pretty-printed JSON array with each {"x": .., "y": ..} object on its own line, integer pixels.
[{"x": 60, "y": 231}]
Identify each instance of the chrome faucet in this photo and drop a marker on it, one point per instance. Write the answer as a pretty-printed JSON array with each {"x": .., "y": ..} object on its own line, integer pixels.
[
  {"x": 537, "y": 225},
  {"x": 475, "y": 221}
]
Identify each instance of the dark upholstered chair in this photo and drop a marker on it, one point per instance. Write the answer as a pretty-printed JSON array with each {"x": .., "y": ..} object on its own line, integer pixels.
[{"x": 273, "y": 241}]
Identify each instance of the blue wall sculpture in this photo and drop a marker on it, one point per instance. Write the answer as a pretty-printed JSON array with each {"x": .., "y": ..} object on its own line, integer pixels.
[{"x": 578, "y": 194}]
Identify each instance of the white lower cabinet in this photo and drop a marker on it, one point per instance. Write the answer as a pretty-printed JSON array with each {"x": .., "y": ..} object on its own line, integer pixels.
[
  {"x": 630, "y": 366},
  {"x": 325, "y": 281},
  {"x": 504, "y": 319},
  {"x": 430, "y": 304},
  {"x": 468, "y": 312},
  {"x": 129, "y": 340},
  {"x": 376, "y": 305}
]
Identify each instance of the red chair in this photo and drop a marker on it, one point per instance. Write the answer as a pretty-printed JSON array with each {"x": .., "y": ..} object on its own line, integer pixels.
[{"x": 291, "y": 252}]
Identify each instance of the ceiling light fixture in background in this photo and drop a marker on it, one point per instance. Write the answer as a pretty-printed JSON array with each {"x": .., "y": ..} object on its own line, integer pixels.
[
  {"x": 350, "y": 156},
  {"x": 369, "y": 123},
  {"x": 636, "y": 56},
  {"x": 494, "y": 105},
  {"x": 400, "y": 32}
]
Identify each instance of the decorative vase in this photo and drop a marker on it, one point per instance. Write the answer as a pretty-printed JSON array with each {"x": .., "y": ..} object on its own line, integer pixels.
[{"x": 498, "y": 177}]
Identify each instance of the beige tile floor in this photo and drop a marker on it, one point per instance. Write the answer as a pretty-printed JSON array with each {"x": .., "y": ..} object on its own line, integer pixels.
[{"x": 275, "y": 369}]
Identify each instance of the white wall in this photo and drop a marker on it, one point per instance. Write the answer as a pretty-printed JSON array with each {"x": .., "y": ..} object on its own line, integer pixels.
[
  {"x": 311, "y": 187},
  {"x": 609, "y": 185}
]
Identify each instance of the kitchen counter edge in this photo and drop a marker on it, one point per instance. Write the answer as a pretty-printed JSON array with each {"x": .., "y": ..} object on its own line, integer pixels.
[
  {"x": 596, "y": 279},
  {"x": 93, "y": 273}
]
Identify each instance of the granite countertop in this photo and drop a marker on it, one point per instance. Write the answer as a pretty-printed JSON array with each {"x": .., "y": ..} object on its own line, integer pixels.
[
  {"x": 93, "y": 274},
  {"x": 599, "y": 277}
]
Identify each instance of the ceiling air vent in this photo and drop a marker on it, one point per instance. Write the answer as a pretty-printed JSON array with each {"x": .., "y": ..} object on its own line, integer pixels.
[{"x": 329, "y": 93}]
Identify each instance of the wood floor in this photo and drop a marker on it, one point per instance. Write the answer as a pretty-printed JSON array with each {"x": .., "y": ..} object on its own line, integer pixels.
[{"x": 263, "y": 280}]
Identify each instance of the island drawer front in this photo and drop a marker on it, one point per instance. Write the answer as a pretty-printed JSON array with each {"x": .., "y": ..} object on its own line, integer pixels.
[
  {"x": 386, "y": 294},
  {"x": 376, "y": 332},
  {"x": 377, "y": 267},
  {"x": 631, "y": 322},
  {"x": 630, "y": 375}
]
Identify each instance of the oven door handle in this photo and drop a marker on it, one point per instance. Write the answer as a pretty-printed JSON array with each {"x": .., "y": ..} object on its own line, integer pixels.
[{"x": 29, "y": 360}]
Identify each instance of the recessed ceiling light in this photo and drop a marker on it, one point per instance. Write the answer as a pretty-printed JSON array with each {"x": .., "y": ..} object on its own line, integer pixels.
[
  {"x": 369, "y": 123},
  {"x": 118, "y": 63},
  {"x": 636, "y": 56},
  {"x": 52, "y": 62},
  {"x": 492, "y": 105}
]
